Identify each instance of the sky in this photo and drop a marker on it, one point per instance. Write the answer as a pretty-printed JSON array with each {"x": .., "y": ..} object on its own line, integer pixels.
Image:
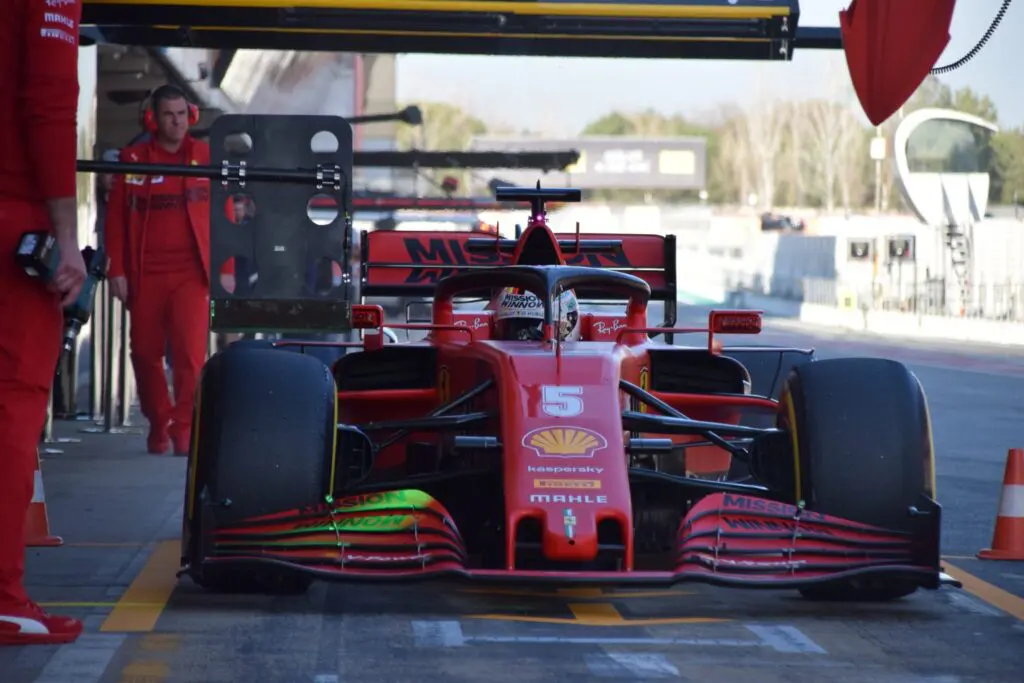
[{"x": 577, "y": 90}]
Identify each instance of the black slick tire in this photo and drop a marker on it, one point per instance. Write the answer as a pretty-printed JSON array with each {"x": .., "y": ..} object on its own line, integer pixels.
[
  {"x": 264, "y": 442},
  {"x": 862, "y": 439}
]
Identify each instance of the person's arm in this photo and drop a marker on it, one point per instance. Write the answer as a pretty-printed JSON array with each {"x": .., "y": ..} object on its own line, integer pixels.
[
  {"x": 115, "y": 227},
  {"x": 48, "y": 103}
]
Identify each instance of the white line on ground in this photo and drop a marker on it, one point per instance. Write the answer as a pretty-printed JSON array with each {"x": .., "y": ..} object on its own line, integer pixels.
[
  {"x": 431, "y": 634},
  {"x": 83, "y": 661},
  {"x": 611, "y": 640},
  {"x": 325, "y": 678},
  {"x": 970, "y": 604},
  {"x": 785, "y": 639},
  {"x": 637, "y": 665},
  {"x": 781, "y": 638}
]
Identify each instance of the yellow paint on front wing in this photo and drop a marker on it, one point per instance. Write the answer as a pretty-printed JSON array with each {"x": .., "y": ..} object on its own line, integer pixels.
[
  {"x": 791, "y": 418},
  {"x": 334, "y": 444}
]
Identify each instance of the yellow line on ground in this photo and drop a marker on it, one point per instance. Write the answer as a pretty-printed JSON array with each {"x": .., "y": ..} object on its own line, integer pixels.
[
  {"x": 605, "y": 614},
  {"x": 141, "y": 605},
  {"x": 597, "y": 614},
  {"x": 993, "y": 595},
  {"x": 153, "y": 659},
  {"x": 150, "y": 672},
  {"x": 79, "y": 604},
  {"x": 160, "y": 642},
  {"x": 87, "y": 544}
]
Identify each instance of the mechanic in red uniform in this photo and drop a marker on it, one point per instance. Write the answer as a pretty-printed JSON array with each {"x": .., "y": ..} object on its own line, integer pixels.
[
  {"x": 38, "y": 133},
  {"x": 158, "y": 238}
]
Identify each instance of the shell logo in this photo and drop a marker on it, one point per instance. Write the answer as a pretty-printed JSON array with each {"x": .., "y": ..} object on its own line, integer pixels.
[{"x": 564, "y": 442}]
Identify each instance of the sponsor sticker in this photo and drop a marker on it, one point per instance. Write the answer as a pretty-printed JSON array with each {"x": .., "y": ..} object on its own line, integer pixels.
[
  {"x": 567, "y": 499},
  {"x": 566, "y": 484},
  {"x": 546, "y": 469},
  {"x": 58, "y": 18},
  {"x": 569, "y": 520},
  {"x": 58, "y": 34},
  {"x": 564, "y": 442}
]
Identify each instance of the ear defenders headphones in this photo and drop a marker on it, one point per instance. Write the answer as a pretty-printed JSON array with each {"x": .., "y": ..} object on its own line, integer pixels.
[{"x": 166, "y": 92}]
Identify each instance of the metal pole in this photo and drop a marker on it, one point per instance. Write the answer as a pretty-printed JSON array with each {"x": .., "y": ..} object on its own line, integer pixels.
[
  {"x": 123, "y": 384},
  {"x": 47, "y": 436},
  {"x": 97, "y": 368},
  {"x": 227, "y": 171}
]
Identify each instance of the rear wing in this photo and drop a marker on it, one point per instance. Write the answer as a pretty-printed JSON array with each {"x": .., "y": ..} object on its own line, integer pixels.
[{"x": 409, "y": 264}]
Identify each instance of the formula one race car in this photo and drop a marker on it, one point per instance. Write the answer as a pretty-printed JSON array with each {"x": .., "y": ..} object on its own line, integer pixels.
[{"x": 542, "y": 443}]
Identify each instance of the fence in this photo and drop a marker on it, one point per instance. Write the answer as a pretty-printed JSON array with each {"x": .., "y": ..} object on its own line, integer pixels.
[
  {"x": 100, "y": 357},
  {"x": 1003, "y": 301},
  {"x": 95, "y": 382}
]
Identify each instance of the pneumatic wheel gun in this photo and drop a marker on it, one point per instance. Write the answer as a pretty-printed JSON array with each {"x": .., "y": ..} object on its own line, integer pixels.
[{"x": 38, "y": 255}]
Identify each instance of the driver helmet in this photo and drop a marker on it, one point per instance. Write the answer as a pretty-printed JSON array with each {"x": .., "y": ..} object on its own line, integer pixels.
[{"x": 519, "y": 316}]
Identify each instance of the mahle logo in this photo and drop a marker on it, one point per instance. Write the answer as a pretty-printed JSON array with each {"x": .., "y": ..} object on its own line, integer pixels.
[{"x": 579, "y": 500}]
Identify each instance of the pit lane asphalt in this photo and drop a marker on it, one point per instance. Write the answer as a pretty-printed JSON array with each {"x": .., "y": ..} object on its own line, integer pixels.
[{"x": 119, "y": 509}]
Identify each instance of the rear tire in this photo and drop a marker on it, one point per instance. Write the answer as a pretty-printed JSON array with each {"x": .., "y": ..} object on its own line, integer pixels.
[
  {"x": 265, "y": 440},
  {"x": 862, "y": 435}
]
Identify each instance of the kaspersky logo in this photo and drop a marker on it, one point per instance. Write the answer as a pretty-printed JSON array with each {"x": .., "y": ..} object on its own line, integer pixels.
[
  {"x": 543, "y": 469},
  {"x": 564, "y": 442}
]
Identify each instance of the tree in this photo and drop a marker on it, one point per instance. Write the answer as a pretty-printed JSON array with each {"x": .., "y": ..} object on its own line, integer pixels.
[
  {"x": 969, "y": 102},
  {"x": 764, "y": 129},
  {"x": 1008, "y": 148},
  {"x": 731, "y": 168},
  {"x": 614, "y": 123},
  {"x": 444, "y": 127}
]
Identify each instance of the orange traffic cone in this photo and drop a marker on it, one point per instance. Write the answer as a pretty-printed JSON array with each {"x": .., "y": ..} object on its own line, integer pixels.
[
  {"x": 1008, "y": 538},
  {"x": 37, "y": 523}
]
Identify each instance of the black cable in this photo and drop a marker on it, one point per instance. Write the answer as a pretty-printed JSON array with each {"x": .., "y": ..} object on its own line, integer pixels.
[{"x": 977, "y": 48}]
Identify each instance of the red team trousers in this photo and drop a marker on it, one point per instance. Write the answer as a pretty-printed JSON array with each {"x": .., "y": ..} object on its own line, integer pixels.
[
  {"x": 169, "y": 313},
  {"x": 29, "y": 348}
]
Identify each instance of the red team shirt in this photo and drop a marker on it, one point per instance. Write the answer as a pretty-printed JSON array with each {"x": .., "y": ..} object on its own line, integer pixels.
[{"x": 169, "y": 246}]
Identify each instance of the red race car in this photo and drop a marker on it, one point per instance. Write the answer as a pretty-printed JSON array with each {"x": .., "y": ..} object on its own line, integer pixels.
[{"x": 537, "y": 442}]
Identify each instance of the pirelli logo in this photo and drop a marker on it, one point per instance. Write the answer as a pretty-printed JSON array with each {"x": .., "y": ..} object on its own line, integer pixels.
[{"x": 590, "y": 484}]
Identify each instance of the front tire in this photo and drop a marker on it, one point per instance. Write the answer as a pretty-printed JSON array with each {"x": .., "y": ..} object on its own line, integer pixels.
[
  {"x": 264, "y": 442},
  {"x": 862, "y": 439}
]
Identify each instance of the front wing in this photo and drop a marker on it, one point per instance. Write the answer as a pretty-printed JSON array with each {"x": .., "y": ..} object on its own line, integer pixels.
[{"x": 726, "y": 539}]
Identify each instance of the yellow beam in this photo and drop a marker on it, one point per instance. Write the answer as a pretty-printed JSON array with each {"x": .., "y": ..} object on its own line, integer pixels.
[
  {"x": 457, "y": 34},
  {"x": 567, "y": 9}
]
